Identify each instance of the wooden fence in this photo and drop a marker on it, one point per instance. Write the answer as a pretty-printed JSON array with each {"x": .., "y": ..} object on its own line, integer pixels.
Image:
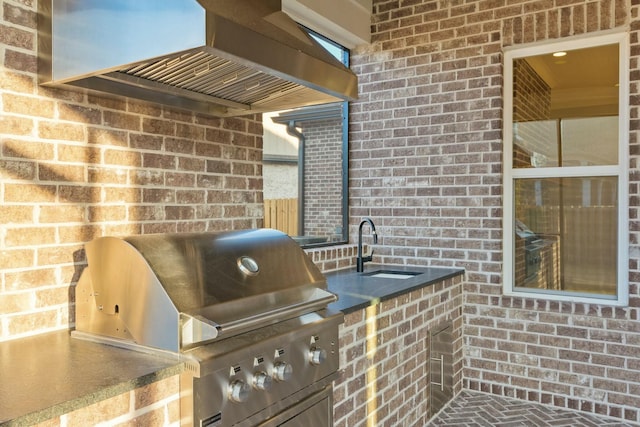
[{"x": 282, "y": 214}]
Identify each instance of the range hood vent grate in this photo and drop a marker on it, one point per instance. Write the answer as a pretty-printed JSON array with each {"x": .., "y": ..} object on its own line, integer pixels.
[{"x": 209, "y": 75}]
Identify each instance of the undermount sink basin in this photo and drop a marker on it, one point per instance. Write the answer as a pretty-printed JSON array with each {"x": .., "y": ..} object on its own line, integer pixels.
[{"x": 392, "y": 274}]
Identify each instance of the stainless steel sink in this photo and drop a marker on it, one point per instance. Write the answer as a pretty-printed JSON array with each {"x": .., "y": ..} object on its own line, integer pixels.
[{"x": 393, "y": 274}]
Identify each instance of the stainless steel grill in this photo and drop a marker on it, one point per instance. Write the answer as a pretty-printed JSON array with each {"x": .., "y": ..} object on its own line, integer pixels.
[{"x": 246, "y": 312}]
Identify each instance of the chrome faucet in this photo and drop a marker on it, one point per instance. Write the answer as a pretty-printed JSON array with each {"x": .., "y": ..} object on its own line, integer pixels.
[{"x": 361, "y": 260}]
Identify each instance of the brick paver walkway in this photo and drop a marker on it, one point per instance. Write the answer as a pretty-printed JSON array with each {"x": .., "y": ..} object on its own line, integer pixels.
[{"x": 476, "y": 409}]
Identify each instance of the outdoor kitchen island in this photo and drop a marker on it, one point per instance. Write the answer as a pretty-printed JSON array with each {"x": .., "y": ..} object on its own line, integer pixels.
[
  {"x": 400, "y": 344},
  {"x": 383, "y": 350}
]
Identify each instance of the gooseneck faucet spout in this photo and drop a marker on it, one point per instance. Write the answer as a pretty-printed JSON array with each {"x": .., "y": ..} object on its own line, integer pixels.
[{"x": 362, "y": 259}]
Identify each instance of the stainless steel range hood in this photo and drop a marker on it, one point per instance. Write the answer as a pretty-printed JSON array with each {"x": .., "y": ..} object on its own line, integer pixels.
[{"x": 221, "y": 57}]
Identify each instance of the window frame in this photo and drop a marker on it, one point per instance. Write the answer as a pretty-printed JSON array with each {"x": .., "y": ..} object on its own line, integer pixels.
[{"x": 621, "y": 170}]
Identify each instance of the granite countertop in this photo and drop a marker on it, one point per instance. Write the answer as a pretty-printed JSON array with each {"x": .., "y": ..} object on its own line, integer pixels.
[
  {"x": 52, "y": 374},
  {"x": 360, "y": 290}
]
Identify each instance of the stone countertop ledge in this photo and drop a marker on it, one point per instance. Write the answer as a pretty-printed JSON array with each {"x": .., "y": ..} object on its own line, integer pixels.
[{"x": 52, "y": 374}]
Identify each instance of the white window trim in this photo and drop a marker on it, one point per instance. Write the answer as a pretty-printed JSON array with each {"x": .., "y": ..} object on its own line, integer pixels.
[{"x": 621, "y": 170}]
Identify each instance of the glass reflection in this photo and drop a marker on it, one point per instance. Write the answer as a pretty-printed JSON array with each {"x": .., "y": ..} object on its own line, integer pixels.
[{"x": 565, "y": 234}]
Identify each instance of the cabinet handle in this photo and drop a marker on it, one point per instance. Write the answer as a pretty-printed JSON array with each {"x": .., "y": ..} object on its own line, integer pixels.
[{"x": 441, "y": 360}]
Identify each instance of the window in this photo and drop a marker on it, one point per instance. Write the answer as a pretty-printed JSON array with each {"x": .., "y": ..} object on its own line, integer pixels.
[
  {"x": 565, "y": 170},
  {"x": 305, "y": 169}
]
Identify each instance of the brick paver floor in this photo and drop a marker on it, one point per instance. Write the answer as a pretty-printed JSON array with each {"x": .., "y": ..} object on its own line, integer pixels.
[{"x": 476, "y": 409}]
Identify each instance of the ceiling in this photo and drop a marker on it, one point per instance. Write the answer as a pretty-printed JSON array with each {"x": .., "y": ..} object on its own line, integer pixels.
[
  {"x": 581, "y": 68},
  {"x": 583, "y": 82}
]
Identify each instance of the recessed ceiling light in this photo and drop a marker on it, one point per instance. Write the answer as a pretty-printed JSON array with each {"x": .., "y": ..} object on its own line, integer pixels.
[{"x": 559, "y": 54}]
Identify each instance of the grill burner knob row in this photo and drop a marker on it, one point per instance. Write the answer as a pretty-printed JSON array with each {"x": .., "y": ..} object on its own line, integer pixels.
[
  {"x": 239, "y": 391},
  {"x": 317, "y": 356},
  {"x": 282, "y": 371},
  {"x": 261, "y": 381}
]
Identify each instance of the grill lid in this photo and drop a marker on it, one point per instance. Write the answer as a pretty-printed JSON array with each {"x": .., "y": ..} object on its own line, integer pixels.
[
  {"x": 221, "y": 57},
  {"x": 176, "y": 291}
]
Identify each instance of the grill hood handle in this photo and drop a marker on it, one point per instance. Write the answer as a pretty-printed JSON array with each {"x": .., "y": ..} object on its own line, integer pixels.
[{"x": 197, "y": 329}]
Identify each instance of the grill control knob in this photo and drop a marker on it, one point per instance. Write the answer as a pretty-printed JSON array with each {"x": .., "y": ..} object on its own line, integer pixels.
[
  {"x": 261, "y": 381},
  {"x": 317, "y": 356},
  {"x": 282, "y": 371},
  {"x": 239, "y": 391}
]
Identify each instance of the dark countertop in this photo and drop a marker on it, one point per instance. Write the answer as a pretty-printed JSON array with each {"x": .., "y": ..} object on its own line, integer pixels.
[
  {"x": 52, "y": 374},
  {"x": 360, "y": 290}
]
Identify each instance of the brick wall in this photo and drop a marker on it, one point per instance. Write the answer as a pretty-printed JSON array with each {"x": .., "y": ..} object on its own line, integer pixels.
[
  {"x": 74, "y": 167},
  {"x": 531, "y": 104},
  {"x": 531, "y": 94},
  {"x": 323, "y": 178},
  {"x": 155, "y": 404},
  {"x": 331, "y": 258},
  {"x": 384, "y": 354},
  {"x": 425, "y": 163}
]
